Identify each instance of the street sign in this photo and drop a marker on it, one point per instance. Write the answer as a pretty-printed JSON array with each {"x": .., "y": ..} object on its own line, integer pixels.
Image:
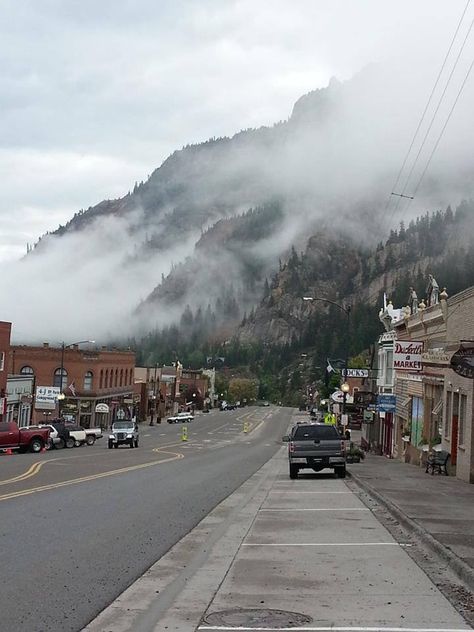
[
  {"x": 355, "y": 372},
  {"x": 386, "y": 403}
]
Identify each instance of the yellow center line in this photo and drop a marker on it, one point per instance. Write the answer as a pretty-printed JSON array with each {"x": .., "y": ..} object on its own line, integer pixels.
[
  {"x": 31, "y": 471},
  {"x": 92, "y": 477}
]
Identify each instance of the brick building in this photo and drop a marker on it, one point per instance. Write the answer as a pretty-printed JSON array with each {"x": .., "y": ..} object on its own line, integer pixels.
[
  {"x": 5, "y": 333},
  {"x": 90, "y": 377},
  {"x": 193, "y": 388}
]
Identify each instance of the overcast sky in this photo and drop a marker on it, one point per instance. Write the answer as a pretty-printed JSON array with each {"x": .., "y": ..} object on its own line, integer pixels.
[{"x": 95, "y": 95}]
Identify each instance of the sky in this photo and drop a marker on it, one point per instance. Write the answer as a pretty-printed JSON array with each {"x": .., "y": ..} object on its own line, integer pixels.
[{"x": 95, "y": 95}]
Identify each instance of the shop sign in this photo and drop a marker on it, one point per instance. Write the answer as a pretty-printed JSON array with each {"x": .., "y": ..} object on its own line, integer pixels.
[
  {"x": 355, "y": 372},
  {"x": 435, "y": 356},
  {"x": 101, "y": 407},
  {"x": 407, "y": 355},
  {"x": 462, "y": 362},
  {"x": 46, "y": 397},
  {"x": 338, "y": 397},
  {"x": 368, "y": 417},
  {"x": 128, "y": 400}
]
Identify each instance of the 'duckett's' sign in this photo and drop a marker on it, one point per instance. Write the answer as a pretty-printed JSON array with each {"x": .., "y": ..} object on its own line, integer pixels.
[{"x": 407, "y": 355}]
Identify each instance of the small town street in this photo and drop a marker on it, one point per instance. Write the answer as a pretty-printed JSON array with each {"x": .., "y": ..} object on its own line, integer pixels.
[{"x": 78, "y": 526}]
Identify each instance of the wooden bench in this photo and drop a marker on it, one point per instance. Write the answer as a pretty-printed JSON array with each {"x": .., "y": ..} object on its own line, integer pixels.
[{"x": 437, "y": 461}]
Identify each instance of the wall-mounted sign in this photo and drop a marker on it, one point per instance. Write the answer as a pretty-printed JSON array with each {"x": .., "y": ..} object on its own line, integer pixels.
[
  {"x": 407, "y": 355},
  {"x": 462, "y": 362},
  {"x": 436, "y": 356},
  {"x": 368, "y": 417},
  {"x": 46, "y": 397},
  {"x": 102, "y": 408}
]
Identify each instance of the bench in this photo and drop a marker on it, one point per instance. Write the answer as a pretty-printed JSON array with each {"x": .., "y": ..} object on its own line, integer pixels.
[{"x": 437, "y": 461}]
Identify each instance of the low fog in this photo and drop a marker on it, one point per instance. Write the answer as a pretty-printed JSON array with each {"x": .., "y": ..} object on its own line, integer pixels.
[{"x": 331, "y": 165}]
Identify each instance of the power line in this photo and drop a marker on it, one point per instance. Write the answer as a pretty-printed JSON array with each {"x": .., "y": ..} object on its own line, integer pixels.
[
  {"x": 420, "y": 122},
  {"x": 437, "y": 108}
]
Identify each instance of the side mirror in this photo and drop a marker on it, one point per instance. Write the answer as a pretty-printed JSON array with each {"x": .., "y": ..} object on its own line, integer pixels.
[{"x": 286, "y": 438}]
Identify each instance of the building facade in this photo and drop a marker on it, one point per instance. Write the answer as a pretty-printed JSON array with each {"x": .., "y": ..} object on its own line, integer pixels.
[
  {"x": 89, "y": 377},
  {"x": 5, "y": 333}
]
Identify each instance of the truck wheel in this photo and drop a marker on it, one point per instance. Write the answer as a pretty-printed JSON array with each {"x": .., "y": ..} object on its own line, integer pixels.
[
  {"x": 111, "y": 445},
  {"x": 293, "y": 471},
  {"x": 340, "y": 472},
  {"x": 77, "y": 443},
  {"x": 36, "y": 445},
  {"x": 90, "y": 439},
  {"x": 60, "y": 444},
  {"x": 70, "y": 443}
]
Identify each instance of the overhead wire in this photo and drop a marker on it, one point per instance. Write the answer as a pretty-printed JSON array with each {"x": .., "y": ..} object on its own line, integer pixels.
[
  {"x": 420, "y": 122},
  {"x": 433, "y": 118}
]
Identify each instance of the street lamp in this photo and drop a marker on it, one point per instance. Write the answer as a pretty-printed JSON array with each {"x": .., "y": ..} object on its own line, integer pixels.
[
  {"x": 64, "y": 346},
  {"x": 347, "y": 312}
]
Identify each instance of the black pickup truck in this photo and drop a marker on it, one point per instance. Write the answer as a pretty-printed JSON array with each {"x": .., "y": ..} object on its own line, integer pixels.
[{"x": 315, "y": 446}]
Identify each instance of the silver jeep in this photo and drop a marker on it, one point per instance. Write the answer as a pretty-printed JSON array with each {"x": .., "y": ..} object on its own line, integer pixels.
[{"x": 123, "y": 433}]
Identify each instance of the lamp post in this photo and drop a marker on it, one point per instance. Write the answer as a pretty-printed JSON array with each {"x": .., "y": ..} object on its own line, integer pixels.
[
  {"x": 65, "y": 346},
  {"x": 347, "y": 311}
]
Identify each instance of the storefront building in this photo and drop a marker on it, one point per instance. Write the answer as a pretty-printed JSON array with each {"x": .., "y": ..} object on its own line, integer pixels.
[
  {"x": 19, "y": 393},
  {"x": 5, "y": 333},
  {"x": 95, "y": 383}
]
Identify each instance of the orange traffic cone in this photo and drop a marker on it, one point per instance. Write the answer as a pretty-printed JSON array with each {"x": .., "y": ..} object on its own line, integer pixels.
[{"x": 8, "y": 451}]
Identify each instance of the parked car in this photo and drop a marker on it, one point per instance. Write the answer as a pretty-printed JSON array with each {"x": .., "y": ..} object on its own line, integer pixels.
[
  {"x": 92, "y": 434},
  {"x": 72, "y": 435},
  {"x": 12, "y": 437},
  {"x": 123, "y": 433},
  {"x": 55, "y": 441},
  {"x": 315, "y": 446},
  {"x": 181, "y": 418}
]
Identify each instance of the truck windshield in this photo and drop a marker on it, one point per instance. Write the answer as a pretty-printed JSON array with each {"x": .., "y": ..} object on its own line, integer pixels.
[
  {"x": 122, "y": 425},
  {"x": 316, "y": 432}
]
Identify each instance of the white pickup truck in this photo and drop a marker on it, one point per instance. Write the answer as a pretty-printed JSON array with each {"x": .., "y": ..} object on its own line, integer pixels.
[
  {"x": 181, "y": 418},
  {"x": 92, "y": 434}
]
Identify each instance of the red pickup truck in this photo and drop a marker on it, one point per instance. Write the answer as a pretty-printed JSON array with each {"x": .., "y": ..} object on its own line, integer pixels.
[{"x": 34, "y": 439}]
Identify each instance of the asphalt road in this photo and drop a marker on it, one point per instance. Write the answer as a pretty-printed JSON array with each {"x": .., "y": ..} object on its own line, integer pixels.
[{"x": 79, "y": 526}]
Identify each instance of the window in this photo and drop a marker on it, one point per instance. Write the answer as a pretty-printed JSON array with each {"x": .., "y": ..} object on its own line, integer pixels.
[
  {"x": 121, "y": 377},
  {"x": 2, "y": 360},
  {"x": 58, "y": 382},
  {"x": 101, "y": 381},
  {"x": 26, "y": 370},
  {"x": 447, "y": 421},
  {"x": 88, "y": 377},
  {"x": 416, "y": 421},
  {"x": 116, "y": 377},
  {"x": 389, "y": 367},
  {"x": 111, "y": 378},
  {"x": 316, "y": 432},
  {"x": 462, "y": 418}
]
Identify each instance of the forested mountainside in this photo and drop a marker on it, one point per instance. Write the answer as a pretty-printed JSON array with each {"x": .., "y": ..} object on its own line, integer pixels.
[{"x": 274, "y": 336}]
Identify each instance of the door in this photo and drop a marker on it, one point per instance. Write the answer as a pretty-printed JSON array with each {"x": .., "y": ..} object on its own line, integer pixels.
[{"x": 454, "y": 429}]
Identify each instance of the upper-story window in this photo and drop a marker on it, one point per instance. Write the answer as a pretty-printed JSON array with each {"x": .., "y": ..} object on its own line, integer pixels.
[
  {"x": 101, "y": 380},
  {"x": 26, "y": 370},
  {"x": 2, "y": 360},
  {"x": 121, "y": 377},
  {"x": 58, "y": 382},
  {"x": 88, "y": 378},
  {"x": 111, "y": 378}
]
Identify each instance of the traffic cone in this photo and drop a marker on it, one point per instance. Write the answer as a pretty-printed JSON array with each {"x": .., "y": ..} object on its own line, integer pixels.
[
  {"x": 246, "y": 427},
  {"x": 184, "y": 434},
  {"x": 8, "y": 451}
]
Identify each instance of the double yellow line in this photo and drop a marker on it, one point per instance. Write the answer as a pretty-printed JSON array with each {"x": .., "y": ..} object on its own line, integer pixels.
[
  {"x": 82, "y": 479},
  {"x": 31, "y": 471}
]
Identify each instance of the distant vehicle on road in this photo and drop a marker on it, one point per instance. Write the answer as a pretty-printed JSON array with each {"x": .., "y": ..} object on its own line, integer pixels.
[
  {"x": 181, "y": 418},
  {"x": 23, "y": 439},
  {"x": 123, "y": 433},
  {"x": 315, "y": 446}
]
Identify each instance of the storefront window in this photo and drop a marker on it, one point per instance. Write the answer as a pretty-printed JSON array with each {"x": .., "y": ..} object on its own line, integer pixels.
[
  {"x": 447, "y": 423},
  {"x": 416, "y": 421}
]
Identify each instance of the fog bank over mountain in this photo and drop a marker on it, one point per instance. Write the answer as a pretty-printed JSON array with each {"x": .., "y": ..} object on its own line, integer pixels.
[{"x": 184, "y": 235}]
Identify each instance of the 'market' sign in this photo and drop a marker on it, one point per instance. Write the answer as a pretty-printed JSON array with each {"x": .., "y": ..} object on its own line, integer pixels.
[{"x": 407, "y": 355}]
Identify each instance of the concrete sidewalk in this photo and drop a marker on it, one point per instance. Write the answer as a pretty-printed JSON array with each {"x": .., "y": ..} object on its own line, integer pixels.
[
  {"x": 438, "y": 508},
  {"x": 281, "y": 554}
]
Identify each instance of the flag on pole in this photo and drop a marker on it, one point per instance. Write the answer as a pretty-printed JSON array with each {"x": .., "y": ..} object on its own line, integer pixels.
[
  {"x": 72, "y": 388},
  {"x": 329, "y": 368}
]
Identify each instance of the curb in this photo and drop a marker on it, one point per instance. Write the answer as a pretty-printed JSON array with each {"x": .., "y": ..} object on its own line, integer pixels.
[{"x": 462, "y": 570}]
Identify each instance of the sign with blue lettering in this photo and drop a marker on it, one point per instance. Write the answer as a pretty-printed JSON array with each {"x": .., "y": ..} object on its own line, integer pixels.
[{"x": 386, "y": 403}]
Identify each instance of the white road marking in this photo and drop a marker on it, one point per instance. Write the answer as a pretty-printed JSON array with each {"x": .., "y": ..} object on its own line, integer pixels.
[
  {"x": 224, "y": 628},
  {"x": 285, "y": 491},
  {"x": 327, "y": 544},
  {"x": 148, "y": 435},
  {"x": 325, "y": 509}
]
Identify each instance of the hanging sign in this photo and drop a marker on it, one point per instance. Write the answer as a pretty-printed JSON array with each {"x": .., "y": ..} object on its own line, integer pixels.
[
  {"x": 407, "y": 355},
  {"x": 462, "y": 362}
]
